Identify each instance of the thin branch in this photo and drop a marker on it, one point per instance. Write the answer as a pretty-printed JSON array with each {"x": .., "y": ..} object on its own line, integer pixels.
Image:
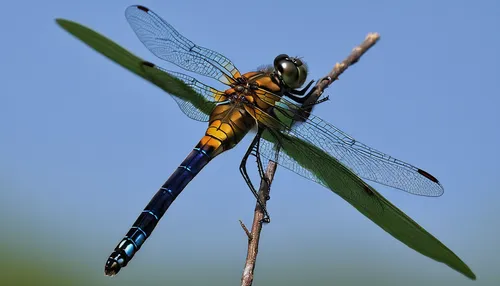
[
  {"x": 254, "y": 237},
  {"x": 321, "y": 85},
  {"x": 370, "y": 40}
]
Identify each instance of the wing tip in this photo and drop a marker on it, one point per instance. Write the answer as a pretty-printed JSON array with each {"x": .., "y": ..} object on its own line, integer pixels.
[
  {"x": 140, "y": 7},
  {"x": 434, "y": 180},
  {"x": 428, "y": 176}
]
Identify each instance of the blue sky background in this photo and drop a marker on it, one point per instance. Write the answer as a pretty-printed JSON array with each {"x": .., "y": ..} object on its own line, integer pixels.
[{"x": 85, "y": 144}]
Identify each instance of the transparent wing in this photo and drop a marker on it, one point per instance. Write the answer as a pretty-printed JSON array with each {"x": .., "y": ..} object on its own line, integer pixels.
[
  {"x": 366, "y": 162},
  {"x": 194, "y": 98},
  {"x": 297, "y": 156},
  {"x": 338, "y": 178},
  {"x": 168, "y": 44}
]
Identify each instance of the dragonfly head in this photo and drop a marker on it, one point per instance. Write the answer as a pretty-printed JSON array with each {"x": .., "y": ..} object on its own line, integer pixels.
[{"x": 291, "y": 71}]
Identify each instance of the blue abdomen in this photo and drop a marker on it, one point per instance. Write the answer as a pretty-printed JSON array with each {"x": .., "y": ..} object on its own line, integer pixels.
[{"x": 147, "y": 220}]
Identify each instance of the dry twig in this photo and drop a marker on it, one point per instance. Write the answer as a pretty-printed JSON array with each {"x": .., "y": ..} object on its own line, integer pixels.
[{"x": 321, "y": 85}]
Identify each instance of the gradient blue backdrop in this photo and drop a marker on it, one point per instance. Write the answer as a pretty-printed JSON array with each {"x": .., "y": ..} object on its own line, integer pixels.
[{"x": 85, "y": 144}]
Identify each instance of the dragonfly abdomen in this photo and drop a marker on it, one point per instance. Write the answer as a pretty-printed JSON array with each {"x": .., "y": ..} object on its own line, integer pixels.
[
  {"x": 152, "y": 213},
  {"x": 225, "y": 130}
]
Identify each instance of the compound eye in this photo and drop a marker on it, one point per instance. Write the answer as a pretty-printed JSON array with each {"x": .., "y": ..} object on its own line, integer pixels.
[
  {"x": 293, "y": 71},
  {"x": 278, "y": 59},
  {"x": 302, "y": 75},
  {"x": 289, "y": 73}
]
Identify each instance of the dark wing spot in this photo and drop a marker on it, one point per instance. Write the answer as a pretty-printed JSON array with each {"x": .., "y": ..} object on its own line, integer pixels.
[
  {"x": 142, "y": 8},
  {"x": 148, "y": 64},
  {"x": 368, "y": 190},
  {"x": 428, "y": 176}
]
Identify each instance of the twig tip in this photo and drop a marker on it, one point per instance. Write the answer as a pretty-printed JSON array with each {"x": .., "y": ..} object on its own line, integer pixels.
[
  {"x": 373, "y": 36},
  {"x": 246, "y": 230}
]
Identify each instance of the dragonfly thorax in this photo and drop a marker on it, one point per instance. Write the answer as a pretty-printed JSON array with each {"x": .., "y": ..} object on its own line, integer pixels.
[
  {"x": 238, "y": 97},
  {"x": 242, "y": 89}
]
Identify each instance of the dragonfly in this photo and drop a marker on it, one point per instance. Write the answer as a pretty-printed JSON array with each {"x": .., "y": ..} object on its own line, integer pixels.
[{"x": 273, "y": 104}]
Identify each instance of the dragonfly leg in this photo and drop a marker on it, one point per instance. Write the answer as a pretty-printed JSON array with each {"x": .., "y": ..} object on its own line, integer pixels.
[
  {"x": 316, "y": 102},
  {"x": 243, "y": 171},
  {"x": 308, "y": 102},
  {"x": 302, "y": 98},
  {"x": 305, "y": 100},
  {"x": 302, "y": 91}
]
